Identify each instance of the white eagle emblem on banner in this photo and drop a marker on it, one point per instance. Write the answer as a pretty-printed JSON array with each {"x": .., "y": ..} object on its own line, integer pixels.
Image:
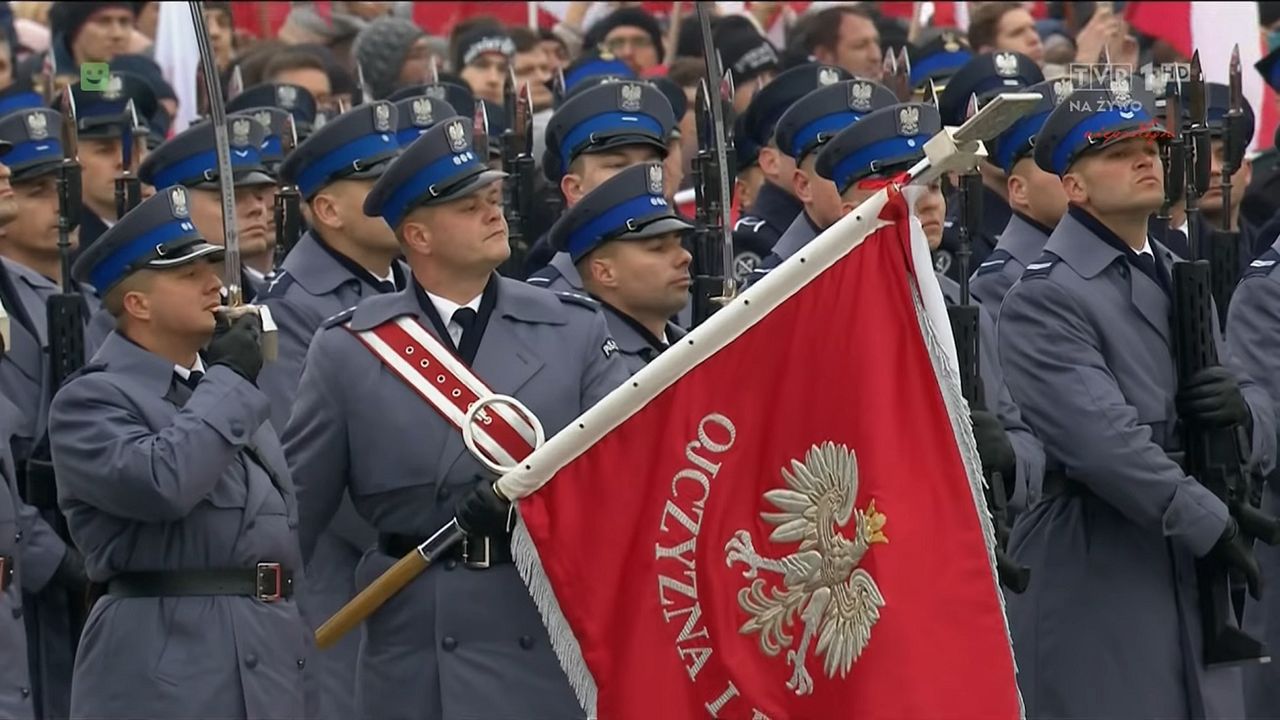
[
  {"x": 381, "y": 117},
  {"x": 1006, "y": 64},
  {"x": 421, "y": 112},
  {"x": 629, "y": 95},
  {"x": 827, "y": 76},
  {"x": 457, "y": 136},
  {"x": 178, "y": 201},
  {"x": 822, "y": 585},
  {"x": 37, "y": 126},
  {"x": 286, "y": 96},
  {"x": 240, "y": 129},
  {"x": 909, "y": 121},
  {"x": 655, "y": 179},
  {"x": 860, "y": 96}
]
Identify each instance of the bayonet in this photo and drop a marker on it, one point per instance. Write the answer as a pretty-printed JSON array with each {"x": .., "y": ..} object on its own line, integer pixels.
[
  {"x": 931, "y": 93},
  {"x": 128, "y": 187},
  {"x": 1233, "y": 148},
  {"x": 557, "y": 86},
  {"x": 433, "y": 71},
  {"x": 480, "y": 125},
  {"x": 365, "y": 96},
  {"x": 235, "y": 85},
  {"x": 1198, "y": 153},
  {"x": 287, "y": 206}
]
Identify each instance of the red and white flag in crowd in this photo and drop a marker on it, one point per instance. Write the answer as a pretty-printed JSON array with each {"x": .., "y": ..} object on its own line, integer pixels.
[
  {"x": 1214, "y": 28},
  {"x": 700, "y": 549}
]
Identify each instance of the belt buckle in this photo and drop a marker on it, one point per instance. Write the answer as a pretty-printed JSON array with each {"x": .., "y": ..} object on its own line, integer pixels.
[
  {"x": 466, "y": 554},
  {"x": 269, "y": 581}
]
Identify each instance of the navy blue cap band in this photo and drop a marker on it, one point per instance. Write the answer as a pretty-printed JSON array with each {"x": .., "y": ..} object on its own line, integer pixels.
[
  {"x": 317, "y": 174},
  {"x": 197, "y": 165},
  {"x": 31, "y": 151},
  {"x": 114, "y": 266},
  {"x": 1017, "y": 139},
  {"x": 449, "y": 167},
  {"x": 875, "y": 153},
  {"x": 833, "y": 123},
  {"x": 20, "y": 101},
  {"x": 938, "y": 62},
  {"x": 584, "y": 238},
  {"x": 1078, "y": 138},
  {"x": 409, "y": 134},
  {"x": 101, "y": 108},
  {"x": 615, "y": 123},
  {"x": 592, "y": 68}
]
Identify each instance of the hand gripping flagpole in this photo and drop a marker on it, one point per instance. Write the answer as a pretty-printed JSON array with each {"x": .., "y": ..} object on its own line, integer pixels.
[
  {"x": 422, "y": 557},
  {"x": 226, "y": 185}
]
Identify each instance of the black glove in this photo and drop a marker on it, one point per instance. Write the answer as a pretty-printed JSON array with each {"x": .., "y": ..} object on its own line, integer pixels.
[
  {"x": 1233, "y": 551},
  {"x": 71, "y": 573},
  {"x": 994, "y": 447},
  {"x": 1212, "y": 398},
  {"x": 238, "y": 345},
  {"x": 483, "y": 512}
]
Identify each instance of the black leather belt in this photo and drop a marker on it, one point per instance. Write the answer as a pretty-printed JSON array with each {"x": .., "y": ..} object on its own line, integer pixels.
[
  {"x": 267, "y": 582},
  {"x": 6, "y": 572},
  {"x": 475, "y": 553}
]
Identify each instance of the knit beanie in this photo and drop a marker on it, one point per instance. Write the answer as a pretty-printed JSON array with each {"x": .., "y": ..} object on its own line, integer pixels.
[
  {"x": 66, "y": 18},
  {"x": 381, "y": 49},
  {"x": 627, "y": 17}
]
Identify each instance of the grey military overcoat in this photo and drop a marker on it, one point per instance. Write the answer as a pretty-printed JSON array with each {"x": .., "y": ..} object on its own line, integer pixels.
[
  {"x": 455, "y": 643},
  {"x": 153, "y": 480},
  {"x": 1109, "y": 627}
]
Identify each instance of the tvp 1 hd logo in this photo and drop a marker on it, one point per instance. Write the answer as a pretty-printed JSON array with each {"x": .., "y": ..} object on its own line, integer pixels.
[{"x": 94, "y": 76}]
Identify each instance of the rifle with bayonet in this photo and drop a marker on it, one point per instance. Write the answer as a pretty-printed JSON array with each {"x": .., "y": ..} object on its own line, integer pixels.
[
  {"x": 1224, "y": 242},
  {"x": 235, "y": 305},
  {"x": 965, "y": 319},
  {"x": 1216, "y": 457},
  {"x": 128, "y": 187},
  {"x": 1172, "y": 153},
  {"x": 517, "y": 162},
  {"x": 287, "y": 209},
  {"x": 713, "y": 283}
]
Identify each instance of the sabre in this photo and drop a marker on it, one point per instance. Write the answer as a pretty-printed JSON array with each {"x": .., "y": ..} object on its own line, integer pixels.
[
  {"x": 226, "y": 183},
  {"x": 363, "y": 87},
  {"x": 1232, "y": 136},
  {"x": 235, "y": 85}
]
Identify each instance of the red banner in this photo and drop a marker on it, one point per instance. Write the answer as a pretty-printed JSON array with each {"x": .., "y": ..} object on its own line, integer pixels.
[{"x": 810, "y": 550}]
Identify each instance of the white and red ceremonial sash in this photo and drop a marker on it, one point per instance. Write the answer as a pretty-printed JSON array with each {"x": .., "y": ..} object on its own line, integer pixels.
[
  {"x": 413, "y": 354},
  {"x": 819, "y": 548}
]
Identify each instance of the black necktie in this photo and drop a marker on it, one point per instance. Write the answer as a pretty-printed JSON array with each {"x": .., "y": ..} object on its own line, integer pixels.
[
  {"x": 465, "y": 318},
  {"x": 1147, "y": 263},
  {"x": 192, "y": 379},
  {"x": 386, "y": 286}
]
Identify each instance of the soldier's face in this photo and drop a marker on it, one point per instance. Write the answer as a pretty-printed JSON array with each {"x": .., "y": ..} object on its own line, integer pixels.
[
  {"x": 251, "y": 217},
  {"x": 104, "y": 36},
  {"x": 486, "y": 75},
  {"x": 341, "y": 204},
  {"x": 1211, "y": 201},
  {"x": 1125, "y": 177},
  {"x": 589, "y": 171},
  {"x": 181, "y": 301},
  {"x": 1036, "y": 193},
  {"x": 8, "y": 201},
  {"x": 34, "y": 230},
  {"x": 101, "y": 160},
  {"x": 931, "y": 209},
  {"x": 468, "y": 234},
  {"x": 648, "y": 278},
  {"x": 819, "y": 195}
]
